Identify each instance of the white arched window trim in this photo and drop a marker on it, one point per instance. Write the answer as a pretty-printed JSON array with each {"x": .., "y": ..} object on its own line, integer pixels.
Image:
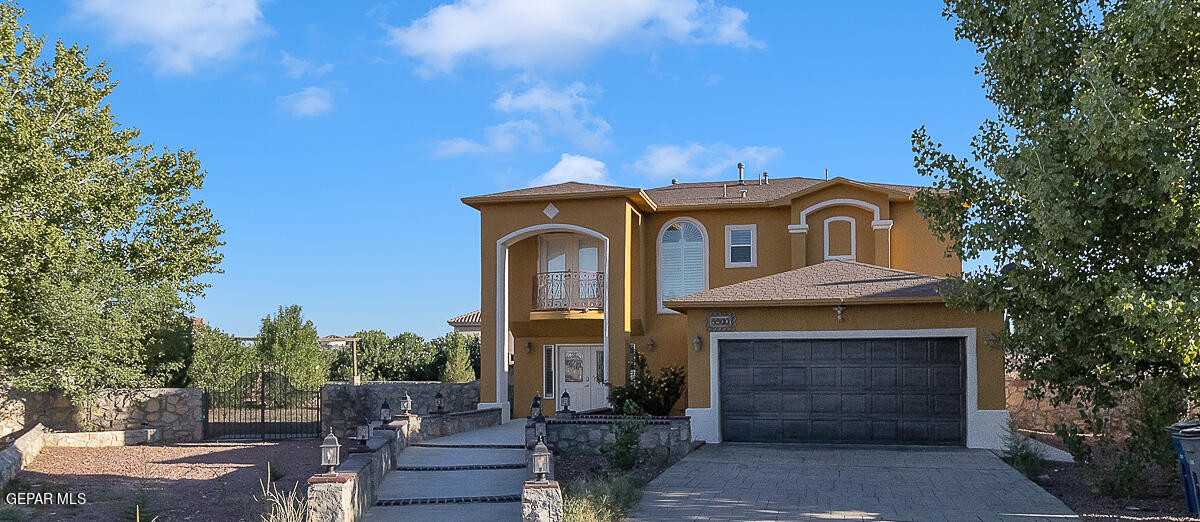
[
  {"x": 658, "y": 256},
  {"x": 853, "y": 238}
]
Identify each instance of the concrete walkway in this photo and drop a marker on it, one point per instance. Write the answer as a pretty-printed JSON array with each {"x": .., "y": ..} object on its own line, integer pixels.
[
  {"x": 806, "y": 482},
  {"x": 476, "y": 475}
]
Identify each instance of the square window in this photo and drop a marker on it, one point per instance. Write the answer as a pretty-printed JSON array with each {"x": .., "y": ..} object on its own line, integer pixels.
[{"x": 741, "y": 246}]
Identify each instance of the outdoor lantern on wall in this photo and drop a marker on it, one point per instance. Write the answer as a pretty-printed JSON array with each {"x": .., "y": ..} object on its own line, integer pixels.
[
  {"x": 839, "y": 310},
  {"x": 331, "y": 452},
  {"x": 650, "y": 344},
  {"x": 697, "y": 343},
  {"x": 406, "y": 403},
  {"x": 536, "y": 409},
  {"x": 528, "y": 347},
  {"x": 385, "y": 412},
  {"x": 541, "y": 460},
  {"x": 439, "y": 401},
  {"x": 565, "y": 400}
]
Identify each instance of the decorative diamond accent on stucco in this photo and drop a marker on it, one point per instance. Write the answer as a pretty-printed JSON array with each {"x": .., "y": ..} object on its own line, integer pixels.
[{"x": 550, "y": 211}]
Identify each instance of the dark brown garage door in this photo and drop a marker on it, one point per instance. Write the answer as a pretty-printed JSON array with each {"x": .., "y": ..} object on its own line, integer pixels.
[{"x": 899, "y": 391}]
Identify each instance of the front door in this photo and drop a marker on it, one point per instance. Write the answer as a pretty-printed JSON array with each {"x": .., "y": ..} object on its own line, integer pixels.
[{"x": 582, "y": 369}]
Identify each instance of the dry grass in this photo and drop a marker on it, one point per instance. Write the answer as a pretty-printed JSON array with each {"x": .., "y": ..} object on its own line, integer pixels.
[
  {"x": 601, "y": 499},
  {"x": 282, "y": 506}
]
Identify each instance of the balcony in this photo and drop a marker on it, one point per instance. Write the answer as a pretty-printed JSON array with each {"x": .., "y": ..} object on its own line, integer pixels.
[{"x": 567, "y": 294}]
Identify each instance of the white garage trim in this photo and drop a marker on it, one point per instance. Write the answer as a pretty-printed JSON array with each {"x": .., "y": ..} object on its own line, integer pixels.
[{"x": 984, "y": 427}]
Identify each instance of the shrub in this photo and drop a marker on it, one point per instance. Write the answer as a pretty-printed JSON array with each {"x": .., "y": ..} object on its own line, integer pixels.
[
  {"x": 648, "y": 394},
  {"x": 1129, "y": 462},
  {"x": 605, "y": 499},
  {"x": 623, "y": 452},
  {"x": 1022, "y": 453}
]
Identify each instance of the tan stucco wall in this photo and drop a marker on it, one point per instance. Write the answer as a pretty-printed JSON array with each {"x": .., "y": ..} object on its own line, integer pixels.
[
  {"x": 990, "y": 361},
  {"x": 632, "y": 276}
]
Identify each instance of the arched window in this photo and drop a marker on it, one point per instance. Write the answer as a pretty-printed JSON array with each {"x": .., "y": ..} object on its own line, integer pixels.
[{"x": 682, "y": 254}]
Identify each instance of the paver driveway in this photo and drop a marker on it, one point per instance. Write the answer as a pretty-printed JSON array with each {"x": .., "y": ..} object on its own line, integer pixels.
[{"x": 805, "y": 482}]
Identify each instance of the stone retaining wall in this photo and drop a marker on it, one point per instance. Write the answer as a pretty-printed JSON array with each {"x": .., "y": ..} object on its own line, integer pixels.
[
  {"x": 176, "y": 413},
  {"x": 29, "y": 445},
  {"x": 344, "y": 406},
  {"x": 353, "y": 488},
  {"x": 666, "y": 439}
]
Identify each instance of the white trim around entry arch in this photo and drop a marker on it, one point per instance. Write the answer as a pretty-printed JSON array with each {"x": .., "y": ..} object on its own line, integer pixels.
[
  {"x": 502, "y": 331},
  {"x": 984, "y": 427}
]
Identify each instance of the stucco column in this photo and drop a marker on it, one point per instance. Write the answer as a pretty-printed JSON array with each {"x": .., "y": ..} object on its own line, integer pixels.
[
  {"x": 799, "y": 235},
  {"x": 883, "y": 242}
]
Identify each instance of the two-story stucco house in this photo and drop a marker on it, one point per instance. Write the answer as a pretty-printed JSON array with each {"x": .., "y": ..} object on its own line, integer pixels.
[{"x": 803, "y": 310}]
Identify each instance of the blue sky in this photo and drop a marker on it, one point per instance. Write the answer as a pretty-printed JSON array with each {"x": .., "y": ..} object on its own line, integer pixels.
[{"x": 338, "y": 141}]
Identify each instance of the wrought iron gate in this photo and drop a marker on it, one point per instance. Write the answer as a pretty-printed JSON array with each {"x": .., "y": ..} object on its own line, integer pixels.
[{"x": 262, "y": 405}]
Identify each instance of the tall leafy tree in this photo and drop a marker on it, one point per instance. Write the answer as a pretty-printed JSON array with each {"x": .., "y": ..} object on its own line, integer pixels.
[
  {"x": 287, "y": 344},
  {"x": 1086, "y": 187},
  {"x": 101, "y": 239},
  {"x": 218, "y": 359}
]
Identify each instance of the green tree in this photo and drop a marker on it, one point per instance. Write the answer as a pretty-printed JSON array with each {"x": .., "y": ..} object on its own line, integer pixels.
[
  {"x": 1086, "y": 186},
  {"x": 99, "y": 232},
  {"x": 218, "y": 360},
  {"x": 287, "y": 344},
  {"x": 419, "y": 360},
  {"x": 458, "y": 362}
]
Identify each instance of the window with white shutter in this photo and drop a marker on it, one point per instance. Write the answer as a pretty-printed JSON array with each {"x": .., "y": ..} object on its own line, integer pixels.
[
  {"x": 683, "y": 267},
  {"x": 548, "y": 371}
]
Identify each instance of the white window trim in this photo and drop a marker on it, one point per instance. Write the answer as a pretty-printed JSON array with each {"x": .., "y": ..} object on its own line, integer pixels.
[
  {"x": 853, "y": 238},
  {"x": 658, "y": 255},
  {"x": 729, "y": 246}
]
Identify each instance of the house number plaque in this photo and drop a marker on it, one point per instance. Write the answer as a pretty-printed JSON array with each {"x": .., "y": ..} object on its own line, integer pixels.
[{"x": 721, "y": 322}]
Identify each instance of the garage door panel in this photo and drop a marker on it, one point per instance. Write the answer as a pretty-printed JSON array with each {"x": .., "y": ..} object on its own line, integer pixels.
[
  {"x": 875, "y": 390},
  {"x": 824, "y": 377}
]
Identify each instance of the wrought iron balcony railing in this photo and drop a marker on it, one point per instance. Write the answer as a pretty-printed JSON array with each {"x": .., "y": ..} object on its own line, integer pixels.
[{"x": 569, "y": 290}]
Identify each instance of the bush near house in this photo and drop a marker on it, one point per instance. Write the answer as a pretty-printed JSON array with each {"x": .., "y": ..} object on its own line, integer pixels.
[{"x": 645, "y": 393}]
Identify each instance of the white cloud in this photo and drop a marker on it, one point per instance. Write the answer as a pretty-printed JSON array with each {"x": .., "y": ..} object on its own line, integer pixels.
[
  {"x": 498, "y": 138},
  {"x": 181, "y": 34},
  {"x": 309, "y": 101},
  {"x": 565, "y": 112},
  {"x": 700, "y": 161},
  {"x": 531, "y": 33},
  {"x": 298, "y": 68},
  {"x": 574, "y": 168}
]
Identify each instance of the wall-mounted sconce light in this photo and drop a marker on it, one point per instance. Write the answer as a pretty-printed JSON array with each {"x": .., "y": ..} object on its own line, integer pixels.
[
  {"x": 697, "y": 343},
  {"x": 528, "y": 347},
  {"x": 650, "y": 344},
  {"x": 839, "y": 309}
]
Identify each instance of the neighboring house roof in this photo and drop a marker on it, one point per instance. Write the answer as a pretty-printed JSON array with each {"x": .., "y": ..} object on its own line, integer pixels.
[
  {"x": 831, "y": 282},
  {"x": 467, "y": 319},
  {"x": 776, "y": 191}
]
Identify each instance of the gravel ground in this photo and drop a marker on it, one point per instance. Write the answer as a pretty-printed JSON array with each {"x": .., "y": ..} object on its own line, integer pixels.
[{"x": 186, "y": 481}]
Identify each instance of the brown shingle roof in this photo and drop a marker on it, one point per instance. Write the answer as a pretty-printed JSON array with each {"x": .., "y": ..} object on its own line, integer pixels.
[
  {"x": 709, "y": 193},
  {"x": 830, "y": 282},
  {"x": 467, "y": 319}
]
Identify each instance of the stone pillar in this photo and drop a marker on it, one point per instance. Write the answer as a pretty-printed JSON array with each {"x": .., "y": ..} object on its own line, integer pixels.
[
  {"x": 799, "y": 235},
  {"x": 541, "y": 502},
  {"x": 883, "y": 242}
]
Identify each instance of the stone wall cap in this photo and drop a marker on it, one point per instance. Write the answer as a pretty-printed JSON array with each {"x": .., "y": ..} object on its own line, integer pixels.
[
  {"x": 549, "y": 484},
  {"x": 336, "y": 478}
]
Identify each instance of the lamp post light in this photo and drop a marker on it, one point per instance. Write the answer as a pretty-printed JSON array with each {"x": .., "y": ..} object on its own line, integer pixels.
[
  {"x": 535, "y": 411},
  {"x": 541, "y": 460},
  {"x": 565, "y": 400},
  {"x": 406, "y": 404},
  {"x": 385, "y": 412},
  {"x": 439, "y": 401},
  {"x": 362, "y": 433},
  {"x": 331, "y": 452},
  {"x": 539, "y": 420}
]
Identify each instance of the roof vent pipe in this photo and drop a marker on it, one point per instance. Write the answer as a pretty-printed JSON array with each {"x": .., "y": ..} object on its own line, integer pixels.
[
  {"x": 674, "y": 181},
  {"x": 766, "y": 179},
  {"x": 724, "y": 190},
  {"x": 741, "y": 173}
]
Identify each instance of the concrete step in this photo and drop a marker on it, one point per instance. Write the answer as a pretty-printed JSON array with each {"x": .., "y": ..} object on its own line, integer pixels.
[
  {"x": 413, "y": 456},
  {"x": 401, "y": 485},
  {"x": 460, "y": 468},
  {"x": 476, "y": 511}
]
